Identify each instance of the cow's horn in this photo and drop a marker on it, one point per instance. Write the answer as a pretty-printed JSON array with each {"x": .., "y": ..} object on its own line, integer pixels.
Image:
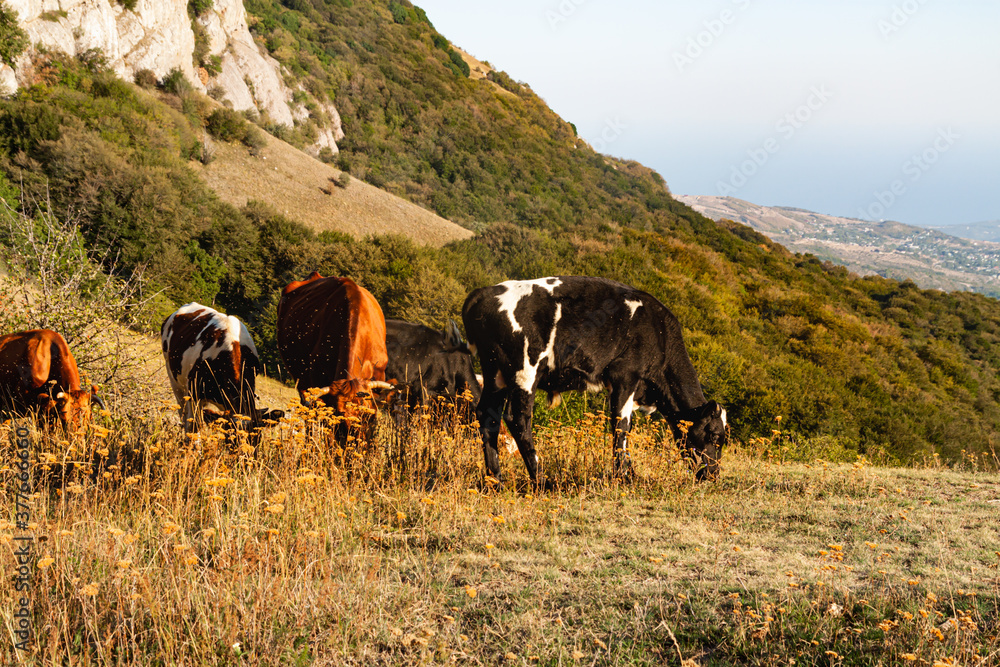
[
  {"x": 97, "y": 399},
  {"x": 379, "y": 384}
]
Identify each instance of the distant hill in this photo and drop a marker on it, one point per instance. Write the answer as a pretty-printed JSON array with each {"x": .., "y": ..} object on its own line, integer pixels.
[
  {"x": 977, "y": 231},
  {"x": 931, "y": 258}
]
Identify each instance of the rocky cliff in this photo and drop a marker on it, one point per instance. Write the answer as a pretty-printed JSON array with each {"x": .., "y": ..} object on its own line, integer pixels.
[{"x": 158, "y": 35}]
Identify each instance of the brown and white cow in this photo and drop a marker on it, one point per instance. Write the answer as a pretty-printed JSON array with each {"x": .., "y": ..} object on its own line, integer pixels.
[
  {"x": 331, "y": 336},
  {"x": 212, "y": 363},
  {"x": 38, "y": 373}
]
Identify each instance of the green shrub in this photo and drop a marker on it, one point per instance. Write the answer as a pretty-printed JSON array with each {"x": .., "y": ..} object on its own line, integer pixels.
[
  {"x": 145, "y": 78},
  {"x": 198, "y": 7},
  {"x": 176, "y": 83},
  {"x": 227, "y": 125},
  {"x": 254, "y": 139},
  {"x": 400, "y": 14},
  {"x": 504, "y": 80},
  {"x": 459, "y": 62}
]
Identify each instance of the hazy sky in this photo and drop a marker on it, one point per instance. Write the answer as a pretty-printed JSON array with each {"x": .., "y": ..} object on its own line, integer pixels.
[{"x": 862, "y": 108}]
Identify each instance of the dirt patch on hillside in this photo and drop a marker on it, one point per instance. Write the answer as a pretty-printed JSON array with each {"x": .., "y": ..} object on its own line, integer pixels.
[{"x": 301, "y": 187}]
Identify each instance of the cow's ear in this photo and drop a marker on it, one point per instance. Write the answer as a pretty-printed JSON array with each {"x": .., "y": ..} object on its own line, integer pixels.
[
  {"x": 452, "y": 336},
  {"x": 711, "y": 409}
]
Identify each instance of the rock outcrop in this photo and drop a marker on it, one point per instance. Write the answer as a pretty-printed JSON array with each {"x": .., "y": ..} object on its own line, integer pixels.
[{"x": 157, "y": 35}]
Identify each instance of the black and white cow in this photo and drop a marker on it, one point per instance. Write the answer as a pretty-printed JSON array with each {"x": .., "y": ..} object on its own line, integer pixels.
[
  {"x": 578, "y": 333},
  {"x": 212, "y": 363},
  {"x": 426, "y": 363}
]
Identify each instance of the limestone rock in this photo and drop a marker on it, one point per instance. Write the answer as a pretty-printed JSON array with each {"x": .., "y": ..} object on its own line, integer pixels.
[{"x": 157, "y": 35}]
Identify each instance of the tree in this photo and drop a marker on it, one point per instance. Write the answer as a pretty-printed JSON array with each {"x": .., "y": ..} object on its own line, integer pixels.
[
  {"x": 54, "y": 283},
  {"x": 13, "y": 39}
]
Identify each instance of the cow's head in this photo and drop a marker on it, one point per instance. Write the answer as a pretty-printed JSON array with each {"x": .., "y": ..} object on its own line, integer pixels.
[
  {"x": 357, "y": 400},
  {"x": 704, "y": 437},
  {"x": 71, "y": 406}
]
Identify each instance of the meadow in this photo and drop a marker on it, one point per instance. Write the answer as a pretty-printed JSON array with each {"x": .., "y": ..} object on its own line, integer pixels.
[{"x": 156, "y": 548}]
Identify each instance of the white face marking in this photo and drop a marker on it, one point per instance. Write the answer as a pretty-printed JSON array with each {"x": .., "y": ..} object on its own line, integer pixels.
[
  {"x": 632, "y": 306},
  {"x": 724, "y": 418},
  {"x": 525, "y": 378},
  {"x": 517, "y": 290}
]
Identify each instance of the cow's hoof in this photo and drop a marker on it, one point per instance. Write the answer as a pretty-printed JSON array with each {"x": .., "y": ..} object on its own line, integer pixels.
[{"x": 625, "y": 473}]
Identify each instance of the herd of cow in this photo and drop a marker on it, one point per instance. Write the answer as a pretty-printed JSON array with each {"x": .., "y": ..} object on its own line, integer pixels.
[{"x": 553, "y": 334}]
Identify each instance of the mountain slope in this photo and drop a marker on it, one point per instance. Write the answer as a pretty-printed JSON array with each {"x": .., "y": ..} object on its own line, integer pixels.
[
  {"x": 931, "y": 258},
  {"x": 303, "y": 189}
]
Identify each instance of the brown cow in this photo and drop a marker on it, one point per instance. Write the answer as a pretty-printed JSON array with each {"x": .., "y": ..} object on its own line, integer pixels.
[
  {"x": 331, "y": 335},
  {"x": 38, "y": 372}
]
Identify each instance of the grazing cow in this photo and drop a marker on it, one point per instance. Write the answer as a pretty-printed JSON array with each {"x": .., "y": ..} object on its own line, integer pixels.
[
  {"x": 38, "y": 372},
  {"x": 331, "y": 336},
  {"x": 426, "y": 363},
  {"x": 578, "y": 333},
  {"x": 212, "y": 363}
]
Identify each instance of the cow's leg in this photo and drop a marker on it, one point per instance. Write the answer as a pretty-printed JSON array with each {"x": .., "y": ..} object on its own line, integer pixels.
[
  {"x": 185, "y": 404},
  {"x": 488, "y": 412},
  {"x": 518, "y": 418},
  {"x": 622, "y": 406}
]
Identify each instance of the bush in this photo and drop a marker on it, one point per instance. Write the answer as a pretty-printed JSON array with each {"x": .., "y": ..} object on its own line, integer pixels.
[
  {"x": 198, "y": 7},
  {"x": 145, "y": 78},
  {"x": 400, "y": 14},
  {"x": 255, "y": 139},
  {"x": 13, "y": 39},
  {"x": 176, "y": 83},
  {"x": 226, "y": 125},
  {"x": 459, "y": 62}
]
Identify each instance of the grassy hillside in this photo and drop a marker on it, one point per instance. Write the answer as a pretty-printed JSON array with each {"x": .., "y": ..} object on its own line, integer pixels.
[
  {"x": 306, "y": 555},
  {"x": 853, "y": 365},
  {"x": 317, "y": 195}
]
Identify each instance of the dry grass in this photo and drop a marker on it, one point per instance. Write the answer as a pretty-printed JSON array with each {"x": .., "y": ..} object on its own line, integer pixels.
[
  {"x": 300, "y": 187},
  {"x": 200, "y": 552}
]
